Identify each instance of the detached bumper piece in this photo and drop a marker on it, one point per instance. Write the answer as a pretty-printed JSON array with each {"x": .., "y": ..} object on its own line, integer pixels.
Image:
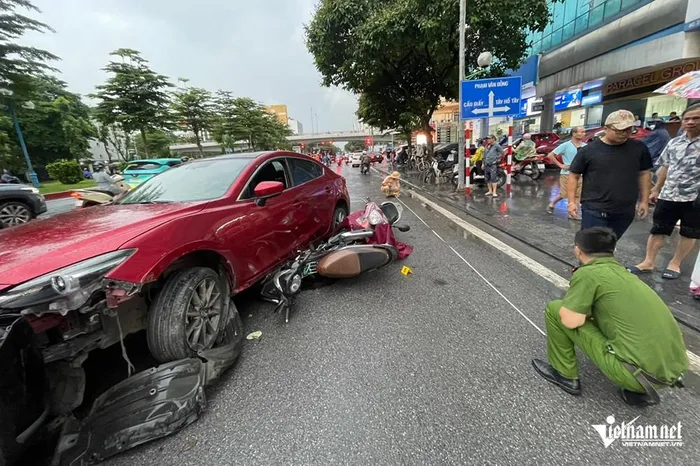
[{"x": 149, "y": 405}]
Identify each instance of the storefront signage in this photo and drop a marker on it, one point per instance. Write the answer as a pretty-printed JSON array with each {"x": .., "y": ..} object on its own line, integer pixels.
[
  {"x": 653, "y": 78},
  {"x": 592, "y": 98},
  {"x": 568, "y": 99},
  {"x": 536, "y": 107}
]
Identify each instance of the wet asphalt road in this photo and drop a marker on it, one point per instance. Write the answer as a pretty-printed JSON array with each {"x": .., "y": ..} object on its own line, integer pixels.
[
  {"x": 433, "y": 368},
  {"x": 58, "y": 206}
]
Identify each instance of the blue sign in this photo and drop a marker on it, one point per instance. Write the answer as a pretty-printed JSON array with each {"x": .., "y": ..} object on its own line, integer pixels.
[
  {"x": 527, "y": 71},
  {"x": 523, "y": 109},
  {"x": 592, "y": 98},
  {"x": 567, "y": 99},
  {"x": 495, "y": 97}
]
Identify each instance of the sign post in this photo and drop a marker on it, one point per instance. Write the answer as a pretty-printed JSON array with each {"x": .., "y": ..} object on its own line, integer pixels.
[{"x": 494, "y": 97}]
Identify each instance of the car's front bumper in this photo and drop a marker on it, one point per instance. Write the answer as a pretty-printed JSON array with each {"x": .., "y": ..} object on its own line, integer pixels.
[{"x": 39, "y": 205}]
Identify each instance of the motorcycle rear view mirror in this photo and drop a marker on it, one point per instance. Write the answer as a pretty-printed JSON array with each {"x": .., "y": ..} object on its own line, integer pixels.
[
  {"x": 392, "y": 212},
  {"x": 266, "y": 190}
]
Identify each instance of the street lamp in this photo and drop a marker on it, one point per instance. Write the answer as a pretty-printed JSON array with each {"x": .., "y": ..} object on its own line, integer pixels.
[
  {"x": 484, "y": 61},
  {"x": 11, "y": 106}
]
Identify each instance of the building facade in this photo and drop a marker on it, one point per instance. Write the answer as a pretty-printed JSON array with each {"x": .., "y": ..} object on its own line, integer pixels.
[
  {"x": 295, "y": 126},
  {"x": 598, "y": 56}
]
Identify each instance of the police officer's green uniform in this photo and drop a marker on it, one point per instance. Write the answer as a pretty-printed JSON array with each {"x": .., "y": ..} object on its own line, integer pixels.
[{"x": 627, "y": 322}]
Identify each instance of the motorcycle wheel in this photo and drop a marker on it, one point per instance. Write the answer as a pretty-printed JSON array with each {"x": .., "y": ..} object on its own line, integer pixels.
[
  {"x": 429, "y": 177},
  {"x": 501, "y": 177},
  {"x": 536, "y": 173}
]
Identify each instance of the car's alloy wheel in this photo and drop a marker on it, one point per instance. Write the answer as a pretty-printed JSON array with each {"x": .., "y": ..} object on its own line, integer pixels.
[
  {"x": 339, "y": 215},
  {"x": 204, "y": 315},
  {"x": 14, "y": 213},
  {"x": 190, "y": 315}
]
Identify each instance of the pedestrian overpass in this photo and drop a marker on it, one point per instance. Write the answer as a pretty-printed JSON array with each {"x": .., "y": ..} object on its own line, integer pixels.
[{"x": 213, "y": 147}]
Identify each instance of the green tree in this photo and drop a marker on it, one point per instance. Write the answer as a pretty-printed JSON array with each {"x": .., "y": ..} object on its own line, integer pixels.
[
  {"x": 18, "y": 62},
  {"x": 405, "y": 53},
  {"x": 192, "y": 109},
  {"x": 57, "y": 125},
  {"x": 157, "y": 145},
  {"x": 243, "y": 119},
  {"x": 134, "y": 96},
  {"x": 355, "y": 146}
]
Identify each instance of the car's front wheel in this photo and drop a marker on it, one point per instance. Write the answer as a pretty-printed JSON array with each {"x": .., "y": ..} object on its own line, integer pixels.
[
  {"x": 14, "y": 213},
  {"x": 339, "y": 215},
  {"x": 191, "y": 314}
]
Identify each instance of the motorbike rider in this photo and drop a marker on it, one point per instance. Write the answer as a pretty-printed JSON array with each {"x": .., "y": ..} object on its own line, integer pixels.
[
  {"x": 7, "y": 178},
  {"x": 104, "y": 181},
  {"x": 526, "y": 148},
  {"x": 365, "y": 161}
]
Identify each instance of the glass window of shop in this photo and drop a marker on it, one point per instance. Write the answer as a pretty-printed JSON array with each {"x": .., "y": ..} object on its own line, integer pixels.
[
  {"x": 576, "y": 17},
  {"x": 664, "y": 105}
]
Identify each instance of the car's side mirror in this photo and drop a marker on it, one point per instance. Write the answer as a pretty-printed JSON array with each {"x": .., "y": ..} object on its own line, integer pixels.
[{"x": 266, "y": 190}]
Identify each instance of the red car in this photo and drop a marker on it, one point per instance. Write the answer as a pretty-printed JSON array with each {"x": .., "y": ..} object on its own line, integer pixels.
[
  {"x": 166, "y": 257},
  {"x": 640, "y": 133},
  {"x": 544, "y": 142}
]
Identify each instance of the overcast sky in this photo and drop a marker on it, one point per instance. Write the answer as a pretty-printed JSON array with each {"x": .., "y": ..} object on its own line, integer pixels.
[{"x": 254, "y": 48}]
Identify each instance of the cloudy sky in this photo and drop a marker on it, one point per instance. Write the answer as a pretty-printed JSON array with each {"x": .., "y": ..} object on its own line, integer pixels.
[{"x": 254, "y": 48}]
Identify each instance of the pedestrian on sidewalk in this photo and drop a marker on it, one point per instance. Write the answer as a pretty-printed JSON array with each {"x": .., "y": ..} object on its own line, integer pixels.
[
  {"x": 492, "y": 157},
  {"x": 616, "y": 320},
  {"x": 568, "y": 152},
  {"x": 616, "y": 173},
  {"x": 677, "y": 192}
]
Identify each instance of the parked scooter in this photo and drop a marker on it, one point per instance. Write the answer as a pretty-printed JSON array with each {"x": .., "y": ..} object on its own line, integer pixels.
[
  {"x": 345, "y": 255},
  {"x": 92, "y": 197},
  {"x": 441, "y": 169},
  {"x": 531, "y": 166}
]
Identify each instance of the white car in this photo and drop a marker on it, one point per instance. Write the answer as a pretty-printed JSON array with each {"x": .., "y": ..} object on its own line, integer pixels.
[{"x": 355, "y": 159}]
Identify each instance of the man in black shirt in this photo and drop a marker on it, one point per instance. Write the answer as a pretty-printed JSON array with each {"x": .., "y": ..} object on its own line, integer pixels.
[{"x": 616, "y": 173}]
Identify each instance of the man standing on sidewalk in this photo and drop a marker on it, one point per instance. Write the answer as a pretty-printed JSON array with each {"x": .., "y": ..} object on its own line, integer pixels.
[
  {"x": 677, "y": 190},
  {"x": 492, "y": 157},
  {"x": 616, "y": 173},
  {"x": 568, "y": 152}
]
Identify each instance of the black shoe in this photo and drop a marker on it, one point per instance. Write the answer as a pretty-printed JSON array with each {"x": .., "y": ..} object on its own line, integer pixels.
[
  {"x": 571, "y": 386},
  {"x": 639, "y": 400}
]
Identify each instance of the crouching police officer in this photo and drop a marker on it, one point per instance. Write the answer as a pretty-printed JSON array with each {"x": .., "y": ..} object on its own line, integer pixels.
[{"x": 617, "y": 321}]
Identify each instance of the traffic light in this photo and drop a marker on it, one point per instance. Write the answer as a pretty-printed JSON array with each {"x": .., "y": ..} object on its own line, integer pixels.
[
  {"x": 369, "y": 142},
  {"x": 303, "y": 145}
]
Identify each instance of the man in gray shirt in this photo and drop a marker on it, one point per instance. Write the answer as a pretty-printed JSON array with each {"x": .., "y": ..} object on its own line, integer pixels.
[
  {"x": 677, "y": 190},
  {"x": 492, "y": 157}
]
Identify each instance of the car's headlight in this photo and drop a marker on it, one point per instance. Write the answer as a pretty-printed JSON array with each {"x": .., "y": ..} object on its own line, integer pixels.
[
  {"x": 63, "y": 289},
  {"x": 34, "y": 190}
]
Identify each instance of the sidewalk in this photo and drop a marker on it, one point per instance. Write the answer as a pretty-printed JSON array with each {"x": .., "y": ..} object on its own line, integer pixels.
[{"x": 523, "y": 214}]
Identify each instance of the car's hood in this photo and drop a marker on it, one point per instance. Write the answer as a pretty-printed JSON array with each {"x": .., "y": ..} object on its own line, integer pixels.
[{"x": 42, "y": 246}]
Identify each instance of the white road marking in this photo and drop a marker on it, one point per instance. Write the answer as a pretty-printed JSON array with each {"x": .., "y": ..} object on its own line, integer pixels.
[
  {"x": 536, "y": 267},
  {"x": 539, "y": 269}
]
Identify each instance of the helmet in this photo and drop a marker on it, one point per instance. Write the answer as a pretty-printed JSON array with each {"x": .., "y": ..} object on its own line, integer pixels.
[
  {"x": 364, "y": 152},
  {"x": 527, "y": 136},
  {"x": 99, "y": 166}
]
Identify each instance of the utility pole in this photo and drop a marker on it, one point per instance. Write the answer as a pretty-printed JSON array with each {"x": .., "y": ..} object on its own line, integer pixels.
[{"x": 460, "y": 151}]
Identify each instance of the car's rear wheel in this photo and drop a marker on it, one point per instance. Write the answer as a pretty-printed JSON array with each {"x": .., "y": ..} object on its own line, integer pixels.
[
  {"x": 14, "y": 213},
  {"x": 190, "y": 315},
  {"x": 339, "y": 215}
]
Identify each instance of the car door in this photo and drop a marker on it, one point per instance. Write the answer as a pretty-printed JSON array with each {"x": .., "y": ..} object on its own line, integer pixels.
[
  {"x": 270, "y": 231},
  {"x": 315, "y": 197}
]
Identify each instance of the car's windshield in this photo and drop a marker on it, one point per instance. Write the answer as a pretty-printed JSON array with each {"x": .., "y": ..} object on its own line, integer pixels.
[
  {"x": 198, "y": 181},
  {"x": 138, "y": 166}
]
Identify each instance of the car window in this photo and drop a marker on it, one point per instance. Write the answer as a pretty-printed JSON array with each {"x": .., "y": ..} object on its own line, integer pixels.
[
  {"x": 200, "y": 181},
  {"x": 271, "y": 171},
  {"x": 143, "y": 166},
  {"x": 304, "y": 171}
]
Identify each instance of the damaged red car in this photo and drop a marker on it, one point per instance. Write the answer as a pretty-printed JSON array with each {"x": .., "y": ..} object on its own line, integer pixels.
[{"x": 166, "y": 258}]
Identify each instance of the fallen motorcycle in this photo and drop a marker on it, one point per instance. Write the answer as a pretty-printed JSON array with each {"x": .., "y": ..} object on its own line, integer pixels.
[
  {"x": 345, "y": 255},
  {"x": 92, "y": 196}
]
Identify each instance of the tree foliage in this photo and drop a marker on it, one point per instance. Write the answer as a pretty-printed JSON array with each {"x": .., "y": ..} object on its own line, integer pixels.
[
  {"x": 402, "y": 56},
  {"x": 57, "y": 127},
  {"x": 18, "y": 62},
  {"x": 65, "y": 171},
  {"x": 157, "y": 145},
  {"x": 355, "y": 146},
  {"x": 192, "y": 109},
  {"x": 134, "y": 96},
  {"x": 243, "y": 119}
]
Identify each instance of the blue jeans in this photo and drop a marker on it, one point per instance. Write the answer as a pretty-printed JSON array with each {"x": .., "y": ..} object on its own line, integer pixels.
[{"x": 617, "y": 222}]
